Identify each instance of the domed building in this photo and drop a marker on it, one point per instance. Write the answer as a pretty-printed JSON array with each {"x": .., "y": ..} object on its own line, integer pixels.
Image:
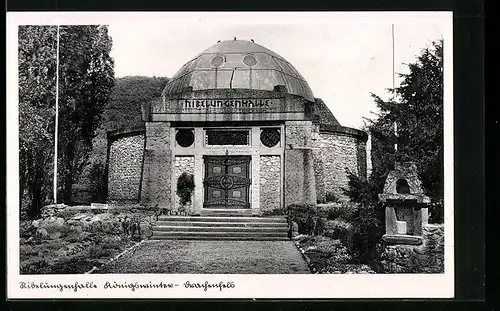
[{"x": 244, "y": 122}]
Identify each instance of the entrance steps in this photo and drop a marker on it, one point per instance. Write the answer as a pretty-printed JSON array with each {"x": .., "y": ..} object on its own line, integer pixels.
[
  {"x": 226, "y": 212},
  {"x": 220, "y": 228}
]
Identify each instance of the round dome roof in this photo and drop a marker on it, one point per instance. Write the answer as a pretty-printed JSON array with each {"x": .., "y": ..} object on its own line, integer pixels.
[{"x": 238, "y": 64}]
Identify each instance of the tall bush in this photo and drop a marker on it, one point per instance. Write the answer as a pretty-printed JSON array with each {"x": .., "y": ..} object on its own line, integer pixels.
[
  {"x": 185, "y": 188},
  {"x": 98, "y": 182},
  {"x": 305, "y": 215}
]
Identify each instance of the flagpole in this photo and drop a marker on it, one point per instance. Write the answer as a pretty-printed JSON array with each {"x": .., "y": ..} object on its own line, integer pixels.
[
  {"x": 57, "y": 118},
  {"x": 393, "y": 88}
]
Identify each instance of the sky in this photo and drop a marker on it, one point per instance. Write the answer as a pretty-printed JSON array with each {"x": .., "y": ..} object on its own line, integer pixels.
[{"x": 343, "y": 57}]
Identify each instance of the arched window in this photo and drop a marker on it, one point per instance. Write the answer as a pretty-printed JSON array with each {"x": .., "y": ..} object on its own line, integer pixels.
[{"x": 402, "y": 186}]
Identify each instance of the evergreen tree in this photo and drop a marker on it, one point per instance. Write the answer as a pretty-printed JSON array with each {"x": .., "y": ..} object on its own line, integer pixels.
[
  {"x": 87, "y": 78},
  {"x": 417, "y": 109}
]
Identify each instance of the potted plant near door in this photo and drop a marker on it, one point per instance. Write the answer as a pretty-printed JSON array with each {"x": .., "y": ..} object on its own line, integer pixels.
[{"x": 185, "y": 188}]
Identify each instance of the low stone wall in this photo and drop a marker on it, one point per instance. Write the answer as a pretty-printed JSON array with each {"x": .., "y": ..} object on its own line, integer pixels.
[
  {"x": 270, "y": 183},
  {"x": 125, "y": 168},
  {"x": 425, "y": 258}
]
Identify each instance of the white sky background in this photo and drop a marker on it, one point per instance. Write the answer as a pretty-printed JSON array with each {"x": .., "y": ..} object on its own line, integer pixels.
[{"x": 343, "y": 56}]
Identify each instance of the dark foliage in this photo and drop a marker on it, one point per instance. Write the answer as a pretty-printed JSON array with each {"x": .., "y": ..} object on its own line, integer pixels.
[
  {"x": 86, "y": 78},
  {"x": 305, "y": 215},
  {"x": 98, "y": 182},
  {"x": 436, "y": 213},
  {"x": 344, "y": 211},
  {"x": 418, "y": 111},
  {"x": 129, "y": 93},
  {"x": 185, "y": 187}
]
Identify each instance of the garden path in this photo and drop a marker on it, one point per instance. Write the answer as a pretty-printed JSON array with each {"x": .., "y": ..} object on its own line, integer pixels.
[{"x": 211, "y": 257}]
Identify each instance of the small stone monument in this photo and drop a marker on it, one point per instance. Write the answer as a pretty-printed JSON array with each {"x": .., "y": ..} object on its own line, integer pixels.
[{"x": 405, "y": 205}]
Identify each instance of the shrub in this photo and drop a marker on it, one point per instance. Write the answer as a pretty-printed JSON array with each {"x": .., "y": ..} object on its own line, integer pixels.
[
  {"x": 185, "y": 187},
  {"x": 332, "y": 211},
  {"x": 436, "y": 213},
  {"x": 34, "y": 265},
  {"x": 320, "y": 226},
  {"x": 330, "y": 197},
  {"x": 72, "y": 265},
  {"x": 305, "y": 215},
  {"x": 98, "y": 181},
  {"x": 67, "y": 213},
  {"x": 26, "y": 230},
  {"x": 99, "y": 251},
  {"x": 274, "y": 212},
  {"x": 367, "y": 232}
]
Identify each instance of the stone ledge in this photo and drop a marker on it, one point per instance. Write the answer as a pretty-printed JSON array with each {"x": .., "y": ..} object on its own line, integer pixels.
[
  {"x": 402, "y": 239},
  {"x": 400, "y": 198},
  {"x": 328, "y": 128},
  {"x": 133, "y": 130}
]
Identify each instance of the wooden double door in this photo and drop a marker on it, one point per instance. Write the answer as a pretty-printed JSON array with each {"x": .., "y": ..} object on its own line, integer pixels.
[{"x": 227, "y": 182}]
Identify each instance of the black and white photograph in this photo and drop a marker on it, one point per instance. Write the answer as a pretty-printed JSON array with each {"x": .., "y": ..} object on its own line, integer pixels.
[{"x": 235, "y": 154}]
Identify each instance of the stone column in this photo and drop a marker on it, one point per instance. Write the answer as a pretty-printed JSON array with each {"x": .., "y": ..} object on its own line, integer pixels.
[
  {"x": 198, "y": 184},
  {"x": 198, "y": 171},
  {"x": 156, "y": 182},
  {"x": 255, "y": 186},
  {"x": 300, "y": 186}
]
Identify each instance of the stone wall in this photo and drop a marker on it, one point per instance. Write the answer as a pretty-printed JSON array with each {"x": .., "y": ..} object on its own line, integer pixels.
[
  {"x": 333, "y": 153},
  {"x": 156, "y": 181},
  {"x": 270, "y": 183},
  {"x": 425, "y": 258},
  {"x": 300, "y": 184},
  {"x": 182, "y": 164},
  {"x": 125, "y": 168}
]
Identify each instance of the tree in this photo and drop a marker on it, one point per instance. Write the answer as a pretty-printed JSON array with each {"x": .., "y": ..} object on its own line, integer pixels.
[
  {"x": 37, "y": 68},
  {"x": 86, "y": 78},
  {"x": 420, "y": 119},
  {"x": 417, "y": 109}
]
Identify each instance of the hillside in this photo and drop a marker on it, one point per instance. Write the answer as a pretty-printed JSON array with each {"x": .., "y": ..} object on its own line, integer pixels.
[{"x": 123, "y": 110}]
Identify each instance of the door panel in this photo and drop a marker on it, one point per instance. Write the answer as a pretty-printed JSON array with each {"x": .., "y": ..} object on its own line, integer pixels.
[{"x": 227, "y": 181}]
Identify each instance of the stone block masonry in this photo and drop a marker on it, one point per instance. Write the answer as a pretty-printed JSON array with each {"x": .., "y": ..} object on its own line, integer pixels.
[
  {"x": 182, "y": 164},
  {"x": 125, "y": 166},
  {"x": 270, "y": 183},
  {"x": 156, "y": 181},
  {"x": 300, "y": 184},
  {"x": 333, "y": 154}
]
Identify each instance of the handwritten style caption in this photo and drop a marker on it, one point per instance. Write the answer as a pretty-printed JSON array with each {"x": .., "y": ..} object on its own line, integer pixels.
[{"x": 133, "y": 286}]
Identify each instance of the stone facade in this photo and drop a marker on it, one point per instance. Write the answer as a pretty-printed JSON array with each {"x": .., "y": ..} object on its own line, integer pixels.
[
  {"x": 308, "y": 160},
  {"x": 270, "y": 183},
  {"x": 182, "y": 164},
  {"x": 425, "y": 258},
  {"x": 125, "y": 168},
  {"x": 156, "y": 181},
  {"x": 333, "y": 154},
  {"x": 300, "y": 186}
]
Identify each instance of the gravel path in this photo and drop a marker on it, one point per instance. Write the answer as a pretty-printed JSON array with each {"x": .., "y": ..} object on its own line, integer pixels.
[{"x": 211, "y": 257}]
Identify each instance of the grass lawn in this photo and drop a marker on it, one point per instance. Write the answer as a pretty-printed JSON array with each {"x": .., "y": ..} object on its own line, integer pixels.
[{"x": 211, "y": 257}]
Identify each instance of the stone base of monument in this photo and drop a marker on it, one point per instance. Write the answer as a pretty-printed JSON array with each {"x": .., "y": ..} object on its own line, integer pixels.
[{"x": 402, "y": 239}]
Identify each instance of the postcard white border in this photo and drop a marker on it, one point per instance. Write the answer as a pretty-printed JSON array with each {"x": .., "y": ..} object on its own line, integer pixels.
[{"x": 246, "y": 286}]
